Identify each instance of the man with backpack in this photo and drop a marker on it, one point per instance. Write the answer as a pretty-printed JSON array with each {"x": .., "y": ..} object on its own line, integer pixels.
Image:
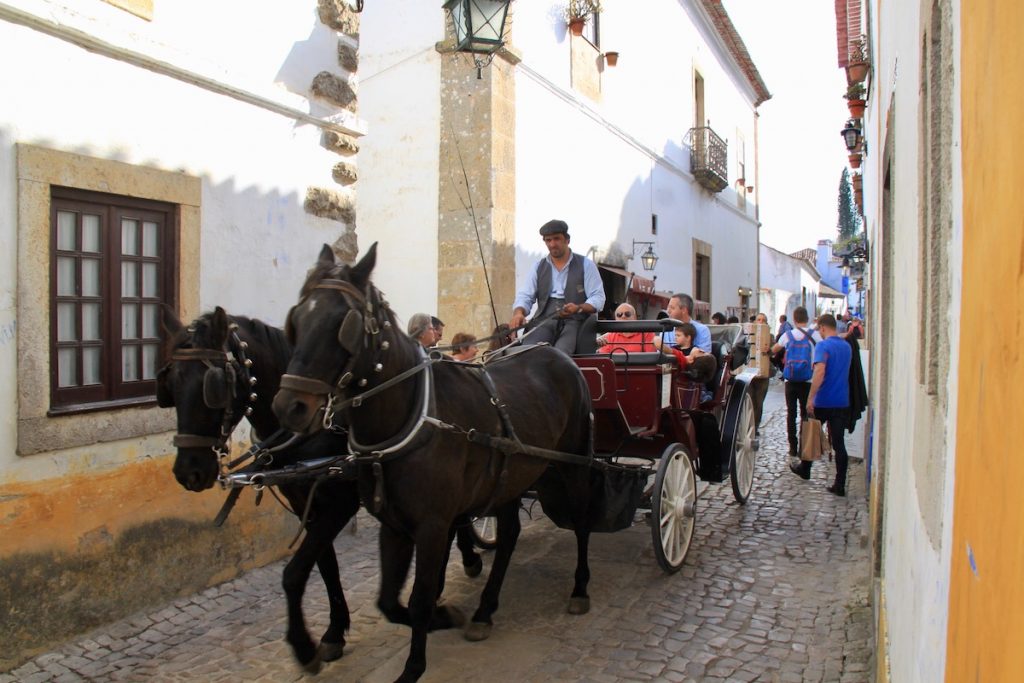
[{"x": 797, "y": 370}]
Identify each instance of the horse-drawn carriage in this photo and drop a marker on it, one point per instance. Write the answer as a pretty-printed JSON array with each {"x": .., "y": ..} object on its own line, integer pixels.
[
  {"x": 657, "y": 428},
  {"x": 586, "y": 434}
]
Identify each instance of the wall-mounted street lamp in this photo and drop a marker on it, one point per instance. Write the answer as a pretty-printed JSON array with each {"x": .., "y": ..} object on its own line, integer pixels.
[
  {"x": 479, "y": 28},
  {"x": 851, "y": 135},
  {"x": 649, "y": 259}
]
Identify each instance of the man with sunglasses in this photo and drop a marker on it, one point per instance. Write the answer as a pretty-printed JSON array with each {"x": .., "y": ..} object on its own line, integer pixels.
[{"x": 632, "y": 342}]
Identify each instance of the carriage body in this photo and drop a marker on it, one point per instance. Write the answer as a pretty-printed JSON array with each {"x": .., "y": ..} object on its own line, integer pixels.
[{"x": 653, "y": 421}]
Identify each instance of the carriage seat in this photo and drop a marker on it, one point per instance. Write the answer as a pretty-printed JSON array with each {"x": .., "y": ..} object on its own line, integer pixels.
[{"x": 721, "y": 352}]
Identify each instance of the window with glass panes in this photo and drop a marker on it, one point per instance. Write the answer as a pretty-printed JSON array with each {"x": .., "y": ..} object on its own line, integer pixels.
[{"x": 112, "y": 267}]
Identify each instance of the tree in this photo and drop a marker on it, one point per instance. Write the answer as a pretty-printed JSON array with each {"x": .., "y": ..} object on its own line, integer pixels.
[{"x": 849, "y": 221}]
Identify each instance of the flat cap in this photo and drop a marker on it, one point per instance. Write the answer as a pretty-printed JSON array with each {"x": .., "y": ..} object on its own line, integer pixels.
[
  {"x": 419, "y": 324},
  {"x": 554, "y": 227}
]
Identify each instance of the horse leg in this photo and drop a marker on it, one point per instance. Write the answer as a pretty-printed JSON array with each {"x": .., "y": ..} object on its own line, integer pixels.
[
  {"x": 472, "y": 564},
  {"x": 395, "y": 557},
  {"x": 332, "y": 643},
  {"x": 432, "y": 547},
  {"x": 579, "y": 602},
  {"x": 509, "y": 527},
  {"x": 320, "y": 533}
]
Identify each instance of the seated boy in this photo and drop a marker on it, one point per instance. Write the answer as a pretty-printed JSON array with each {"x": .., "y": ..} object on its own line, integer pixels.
[{"x": 685, "y": 352}]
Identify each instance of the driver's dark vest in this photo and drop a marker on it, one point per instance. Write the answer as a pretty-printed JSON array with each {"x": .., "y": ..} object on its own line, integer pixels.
[{"x": 575, "y": 292}]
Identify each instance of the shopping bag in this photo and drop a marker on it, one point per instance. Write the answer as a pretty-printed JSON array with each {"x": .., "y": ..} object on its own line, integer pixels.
[{"x": 812, "y": 440}]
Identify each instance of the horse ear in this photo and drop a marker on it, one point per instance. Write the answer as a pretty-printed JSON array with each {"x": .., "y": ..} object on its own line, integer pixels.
[
  {"x": 326, "y": 257},
  {"x": 360, "y": 273},
  {"x": 289, "y": 329},
  {"x": 169, "y": 321},
  {"x": 219, "y": 326}
]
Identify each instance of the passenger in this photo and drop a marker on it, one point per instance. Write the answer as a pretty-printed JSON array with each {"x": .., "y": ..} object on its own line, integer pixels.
[
  {"x": 463, "y": 347},
  {"x": 680, "y": 307},
  {"x": 566, "y": 288},
  {"x": 718, "y": 319},
  {"x": 761, "y": 319},
  {"x": 733, "y": 320},
  {"x": 438, "y": 326},
  {"x": 683, "y": 349},
  {"x": 631, "y": 342}
]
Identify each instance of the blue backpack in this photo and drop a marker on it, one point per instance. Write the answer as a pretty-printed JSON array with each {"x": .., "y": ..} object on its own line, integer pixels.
[{"x": 799, "y": 355}]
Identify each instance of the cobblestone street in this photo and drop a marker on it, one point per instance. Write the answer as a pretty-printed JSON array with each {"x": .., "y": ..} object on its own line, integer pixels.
[{"x": 772, "y": 591}]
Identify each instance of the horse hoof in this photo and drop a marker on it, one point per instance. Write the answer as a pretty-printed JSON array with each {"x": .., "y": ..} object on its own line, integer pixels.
[
  {"x": 314, "y": 665},
  {"x": 579, "y": 605},
  {"x": 477, "y": 631},
  {"x": 473, "y": 570},
  {"x": 329, "y": 652}
]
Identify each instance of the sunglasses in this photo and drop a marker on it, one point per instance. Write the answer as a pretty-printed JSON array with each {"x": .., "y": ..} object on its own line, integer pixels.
[{"x": 627, "y": 314}]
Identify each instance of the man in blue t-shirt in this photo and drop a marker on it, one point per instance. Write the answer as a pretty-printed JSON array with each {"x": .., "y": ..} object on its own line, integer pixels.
[
  {"x": 829, "y": 397},
  {"x": 680, "y": 307}
]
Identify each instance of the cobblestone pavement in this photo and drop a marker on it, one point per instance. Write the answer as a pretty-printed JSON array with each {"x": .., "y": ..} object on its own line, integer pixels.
[{"x": 772, "y": 591}]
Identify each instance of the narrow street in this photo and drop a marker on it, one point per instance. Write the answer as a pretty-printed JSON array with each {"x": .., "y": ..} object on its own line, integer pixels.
[{"x": 773, "y": 591}]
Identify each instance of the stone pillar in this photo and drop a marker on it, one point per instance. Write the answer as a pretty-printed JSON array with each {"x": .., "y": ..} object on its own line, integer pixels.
[{"x": 477, "y": 180}]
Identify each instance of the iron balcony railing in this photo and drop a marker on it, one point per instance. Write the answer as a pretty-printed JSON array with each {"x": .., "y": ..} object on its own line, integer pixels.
[{"x": 708, "y": 158}]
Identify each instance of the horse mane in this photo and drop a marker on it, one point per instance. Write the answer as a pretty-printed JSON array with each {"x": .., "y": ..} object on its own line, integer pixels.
[
  {"x": 198, "y": 335},
  {"x": 336, "y": 271}
]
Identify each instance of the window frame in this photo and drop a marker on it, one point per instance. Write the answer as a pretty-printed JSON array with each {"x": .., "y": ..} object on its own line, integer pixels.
[{"x": 113, "y": 391}]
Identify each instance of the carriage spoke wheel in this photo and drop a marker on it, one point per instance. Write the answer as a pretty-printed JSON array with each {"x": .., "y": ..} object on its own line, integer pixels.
[
  {"x": 744, "y": 451},
  {"x": 673, "y": 508},
  {"x": 485, "y": 532}
]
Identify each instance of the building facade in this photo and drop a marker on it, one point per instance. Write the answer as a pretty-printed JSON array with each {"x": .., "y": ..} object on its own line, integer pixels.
[
  {"x": 787, "y": 282},
  {"x": 945, "y": 308},
  {"x": 552, "y": 130},
  {"x": 151, "y": 153}
]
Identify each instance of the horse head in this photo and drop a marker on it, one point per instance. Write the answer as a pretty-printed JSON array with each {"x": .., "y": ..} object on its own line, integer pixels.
[
  {"x": 207, "y": 381},
  {"x": 339, "y": 331}
]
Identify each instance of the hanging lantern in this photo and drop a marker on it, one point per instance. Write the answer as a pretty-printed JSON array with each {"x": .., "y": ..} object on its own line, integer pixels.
[{"x": 479, "y": 24}]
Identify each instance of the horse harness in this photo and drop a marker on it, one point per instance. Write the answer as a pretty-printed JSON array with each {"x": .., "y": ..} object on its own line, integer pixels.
[
  {"x": 355, "y": 325},
  {"x": 220, "y": 387}
]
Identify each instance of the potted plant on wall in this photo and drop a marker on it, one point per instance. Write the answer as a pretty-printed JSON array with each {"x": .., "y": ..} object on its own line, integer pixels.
[
  {"x": 855, "y": 100},
  {"x": 857, "y": 65},
  {"x": 578, "y": 11}
]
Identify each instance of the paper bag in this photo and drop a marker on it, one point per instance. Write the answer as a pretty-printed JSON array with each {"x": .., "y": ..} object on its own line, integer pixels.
[{"x": 812, "y": 440}]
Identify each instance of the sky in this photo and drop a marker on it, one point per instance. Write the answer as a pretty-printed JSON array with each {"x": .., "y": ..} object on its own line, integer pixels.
[{"x": 793, "y": 45}]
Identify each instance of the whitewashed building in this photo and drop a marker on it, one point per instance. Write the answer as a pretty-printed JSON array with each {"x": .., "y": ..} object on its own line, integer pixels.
[
  {"x": 787, "y": 282},
  {"x": 460, "y": 172},
  {"x": 184, "y": 153}
]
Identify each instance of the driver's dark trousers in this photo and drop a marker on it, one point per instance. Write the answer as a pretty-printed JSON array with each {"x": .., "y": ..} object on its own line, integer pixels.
[
  {"x": 559, "y": 332},
  {"x": 835, "y": 418}
]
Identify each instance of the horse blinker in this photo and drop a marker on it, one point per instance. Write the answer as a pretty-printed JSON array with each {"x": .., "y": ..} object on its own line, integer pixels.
[{"x": 351, "y": 331}]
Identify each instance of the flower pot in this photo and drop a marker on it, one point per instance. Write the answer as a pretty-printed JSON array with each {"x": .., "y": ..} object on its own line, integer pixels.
[
  {"x": 856, "y": 108},
  {"x": 855, "y": 161},
  {"x": 857, "y": 72},
  {"x": 611, "y": 58},
  {"x": 858, "y": 183},
  {"x": 576, "y": 26}
]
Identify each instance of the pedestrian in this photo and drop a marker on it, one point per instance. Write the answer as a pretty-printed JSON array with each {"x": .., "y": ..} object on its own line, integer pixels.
[
  {"x": 797, "y": 370},
  {"x": 566, "y": 288},
  {"x": 761, "y": 319},
  {"x": 422, "y": 330},
  {"x": 784, "y": 326},
  {"x": 463, "y": 347},
  {"x": 829, "y": 397},
  {"x": 680, "y": 307}
]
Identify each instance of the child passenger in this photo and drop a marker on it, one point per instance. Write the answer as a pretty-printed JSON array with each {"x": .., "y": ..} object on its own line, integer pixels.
[{"x": 683, "y": 349}]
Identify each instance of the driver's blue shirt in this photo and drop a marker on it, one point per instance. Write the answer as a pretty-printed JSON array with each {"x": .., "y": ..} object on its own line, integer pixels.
[{"x": 702, "y": 341}]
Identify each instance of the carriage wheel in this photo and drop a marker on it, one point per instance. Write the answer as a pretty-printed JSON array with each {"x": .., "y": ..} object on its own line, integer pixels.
[
  {"x": 744, "y": 451},
  {"x": 673, "y": 508},
  {"x": 485, "y": 532}
]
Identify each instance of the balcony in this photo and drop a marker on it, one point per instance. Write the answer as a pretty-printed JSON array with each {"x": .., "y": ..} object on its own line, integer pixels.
[{"x": 708, "y": 158}]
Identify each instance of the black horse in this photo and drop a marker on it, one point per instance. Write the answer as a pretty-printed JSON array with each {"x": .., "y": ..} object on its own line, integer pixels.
[
  {"x": 223, "y": 368},
  {"x": 422, "y": 461}
]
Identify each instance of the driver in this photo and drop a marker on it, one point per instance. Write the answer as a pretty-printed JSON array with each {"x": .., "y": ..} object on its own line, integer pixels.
[{"x": 566, "y": 288}]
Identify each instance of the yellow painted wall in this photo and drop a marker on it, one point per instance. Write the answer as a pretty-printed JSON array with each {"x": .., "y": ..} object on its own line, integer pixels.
[
  {"x": 87, "y": 548},
  {"x": 986, "y": 602}
]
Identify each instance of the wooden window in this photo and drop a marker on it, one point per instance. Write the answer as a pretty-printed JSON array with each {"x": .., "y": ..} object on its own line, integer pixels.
[
  {"x": 702, "y": 277},
  {"x": 592, "y": 29},
  {"x": 112, "y": 266}
]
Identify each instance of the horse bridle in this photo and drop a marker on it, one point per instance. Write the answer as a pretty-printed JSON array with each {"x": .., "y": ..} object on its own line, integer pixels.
[
  {"x": 220, "y": 383},
  {"x": 358, "y": 331}
]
